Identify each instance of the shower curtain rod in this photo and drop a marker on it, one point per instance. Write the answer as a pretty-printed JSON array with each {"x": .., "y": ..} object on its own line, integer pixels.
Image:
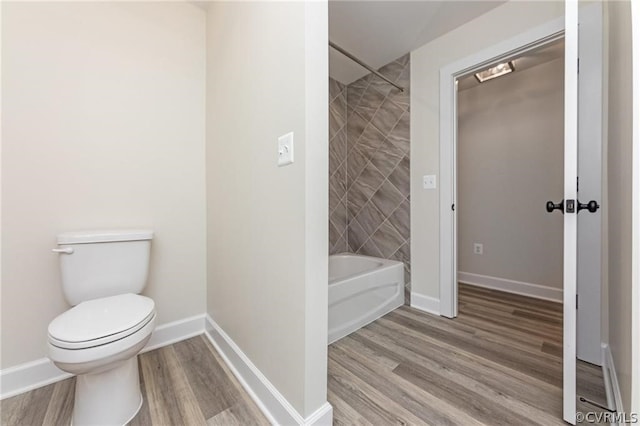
[{"x": 359, "y": 62}]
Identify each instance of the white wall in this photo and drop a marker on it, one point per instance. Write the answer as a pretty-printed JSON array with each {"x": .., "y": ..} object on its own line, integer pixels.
[
  {"x": 510, "y": 162},
  {"x": 103, "y": 127},
  {"x": 267, "y": 226},
  {"x": 503, "y": 22},
  {"x": 620, "y": 193}
]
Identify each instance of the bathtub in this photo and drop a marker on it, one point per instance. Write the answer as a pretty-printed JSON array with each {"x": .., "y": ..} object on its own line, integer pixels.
[{"x": 361, "y": 290}]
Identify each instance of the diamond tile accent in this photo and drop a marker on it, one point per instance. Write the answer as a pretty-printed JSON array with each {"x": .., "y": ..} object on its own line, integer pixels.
[
  {"x": 387, "y": 116},
  {"x": 369, "y": 181},
  {"x": 371, "y": 249},
  {"x": 356, "y": 161},
  {"x": 399, "y": 136},
  {"x": 370, "y": 141},
  {"x": 387, "y": 239},
  {"x": 357, "y": 236},
  {"x": 387, "y": 198},
  {"x": 386, "y": 158},
  {"x": 340, "y": 178},
  {"x": 371, "y": 100},
  {"x": 339, "y": 216},
  {"x": 402, "y": 254},
  {"x": 370, "y": 218},
  {"x": 356, "y": 89},
  {"x": 400, "y": 176},
  {"x": 341, "y": 246},
  {"x": 400, "y": 219},
  {"x": 337, "y": 167},
  {"x": 355, "y": 127},
  {"x": 335, "y": 89}
]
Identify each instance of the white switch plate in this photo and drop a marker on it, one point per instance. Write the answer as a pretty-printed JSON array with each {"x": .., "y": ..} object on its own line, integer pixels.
[
  {"x": 285, "y": 149},
  {"x": 429, "y": 181}
]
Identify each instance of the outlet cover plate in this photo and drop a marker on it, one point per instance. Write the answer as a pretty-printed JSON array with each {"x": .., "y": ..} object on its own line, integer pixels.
[
  {"x": 478, "y": 248},
  {"x": 429, "y": 181}
]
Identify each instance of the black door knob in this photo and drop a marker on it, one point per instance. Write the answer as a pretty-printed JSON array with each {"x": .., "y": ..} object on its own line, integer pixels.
[
  {"x": 551, "y": 206},
  {"x": 592, "y": 206}
]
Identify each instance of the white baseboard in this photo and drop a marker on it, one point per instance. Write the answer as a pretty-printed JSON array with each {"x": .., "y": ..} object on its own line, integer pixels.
[
  {"x": 425, "y": 303},
  {"x": 510, "y": 286},
  {"x": 323, "y": 416},
  {"x": 32, "y": 375},
  {"x": 176, "y": 331},
  {"x": 272, "y": 403},
  {"x": 611, "y": 385},
  {"x": 28, "y": 376}
]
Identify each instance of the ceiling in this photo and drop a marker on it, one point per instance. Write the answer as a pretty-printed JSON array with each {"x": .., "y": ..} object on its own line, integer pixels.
[
  {"x": 377, "y": 32},
  {"x": 532, "y": 58}
]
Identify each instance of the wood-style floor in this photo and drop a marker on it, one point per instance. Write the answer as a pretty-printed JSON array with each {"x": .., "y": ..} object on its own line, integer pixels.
[
  {"x": 186, "y": 383},
  {"x": 498, "y": 362}
]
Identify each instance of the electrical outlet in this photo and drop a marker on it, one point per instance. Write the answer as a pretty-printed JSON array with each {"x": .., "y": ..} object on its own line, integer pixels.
[
  {"x": 478, "y": 248},
  {"x": 429, "y": 181}
]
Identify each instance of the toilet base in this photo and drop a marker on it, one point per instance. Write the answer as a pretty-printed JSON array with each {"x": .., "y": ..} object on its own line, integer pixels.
[{"x": 111, "y": 397}]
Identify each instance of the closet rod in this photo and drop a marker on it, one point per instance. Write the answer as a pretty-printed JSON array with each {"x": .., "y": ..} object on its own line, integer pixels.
[{"x": 359, "y": 62}]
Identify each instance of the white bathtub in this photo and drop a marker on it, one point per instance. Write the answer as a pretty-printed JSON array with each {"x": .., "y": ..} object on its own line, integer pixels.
[{"x": 361, "y": 290}]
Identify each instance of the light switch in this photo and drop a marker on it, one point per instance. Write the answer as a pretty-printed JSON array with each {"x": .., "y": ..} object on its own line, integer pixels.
[
  {"x": 285, "y": 149},
  {"x": 429, "y": 181}
]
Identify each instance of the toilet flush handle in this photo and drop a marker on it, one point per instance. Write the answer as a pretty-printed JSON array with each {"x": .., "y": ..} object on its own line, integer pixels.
[{"x": 66, "y": 250}]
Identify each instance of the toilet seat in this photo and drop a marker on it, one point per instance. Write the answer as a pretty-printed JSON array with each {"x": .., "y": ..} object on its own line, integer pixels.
[{"x": 101, "y": 321}]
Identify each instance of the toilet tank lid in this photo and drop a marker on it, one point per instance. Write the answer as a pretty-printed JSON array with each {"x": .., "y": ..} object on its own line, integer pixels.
[{"x": 104, "y": 236}]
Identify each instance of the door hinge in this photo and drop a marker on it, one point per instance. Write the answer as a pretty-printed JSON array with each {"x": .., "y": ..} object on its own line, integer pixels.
[
  {"x": 578, "y": 184},
  {"x": 578, "y": 65},
  {"x": 576, "y": 301},
  {"x": 453, "y": 207}
]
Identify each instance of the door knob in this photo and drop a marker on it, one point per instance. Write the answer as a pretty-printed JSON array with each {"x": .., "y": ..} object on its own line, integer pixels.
[
  {"x": 592, "y": 206},
  {"x": 551, "y": 206}
]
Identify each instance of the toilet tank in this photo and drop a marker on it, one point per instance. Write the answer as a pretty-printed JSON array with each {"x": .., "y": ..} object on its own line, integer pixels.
[{"x": 96, "y": 264}]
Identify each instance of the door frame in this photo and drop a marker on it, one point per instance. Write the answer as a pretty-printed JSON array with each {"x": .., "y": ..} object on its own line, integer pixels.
[{"x": 514, "y": 46}]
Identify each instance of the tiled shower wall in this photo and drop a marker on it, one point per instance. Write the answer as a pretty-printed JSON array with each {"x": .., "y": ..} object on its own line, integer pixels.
[
  {"x": 377, "y": 165},
  {"x": 337, "y": 167}
]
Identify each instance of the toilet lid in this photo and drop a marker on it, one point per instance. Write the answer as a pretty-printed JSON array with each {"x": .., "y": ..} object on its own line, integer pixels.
[{"x": 100, "y": 321}]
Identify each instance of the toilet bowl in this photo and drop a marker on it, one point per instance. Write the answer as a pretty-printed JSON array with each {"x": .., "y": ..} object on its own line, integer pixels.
[{"x": 98, "y": 340}]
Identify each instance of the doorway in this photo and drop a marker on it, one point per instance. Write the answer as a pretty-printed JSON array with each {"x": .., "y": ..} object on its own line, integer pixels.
[
  {"x": 510, "y": 162},
  {"x": 518, "y": 46},
  {"x": 589, "y": 146}
]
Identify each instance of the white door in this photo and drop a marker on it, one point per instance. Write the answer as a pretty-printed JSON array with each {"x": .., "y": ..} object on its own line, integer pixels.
[
  {"x": 582, "y": 237},
  {"x": 570, "y": 208},
  {"x": 590, "y": 95}
]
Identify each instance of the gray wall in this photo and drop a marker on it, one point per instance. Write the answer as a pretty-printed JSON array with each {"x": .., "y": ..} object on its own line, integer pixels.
[
  {"x": 377, "y": 166},
  {"x": 510, "y": 162},
  {"x": 619, "y": 193}
]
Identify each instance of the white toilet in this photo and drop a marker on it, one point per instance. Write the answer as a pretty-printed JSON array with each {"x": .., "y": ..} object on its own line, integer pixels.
[{"x": 100, "y": 337}]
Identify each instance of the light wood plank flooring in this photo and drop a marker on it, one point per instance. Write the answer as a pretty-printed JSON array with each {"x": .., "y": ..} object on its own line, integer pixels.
[
  {"x": 186, "y": 383},
  {"x": 498, "y": 362}
]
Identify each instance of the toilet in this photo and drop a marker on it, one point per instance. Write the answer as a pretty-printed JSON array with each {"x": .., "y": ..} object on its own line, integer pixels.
[{"x": 99, "y": 338}]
